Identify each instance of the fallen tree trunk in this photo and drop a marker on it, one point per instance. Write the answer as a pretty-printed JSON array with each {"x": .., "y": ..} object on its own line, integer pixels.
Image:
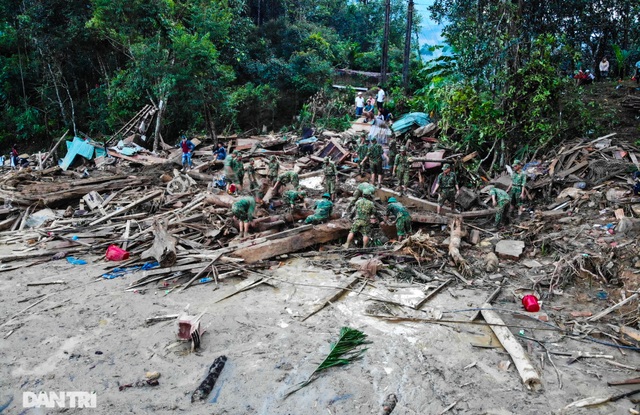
[
  {"x": 520, "y": 358},
  {"x": 314, "y": 235},
  {"x": 455, "y": 238},
  {"x": 164, "y": 246}
]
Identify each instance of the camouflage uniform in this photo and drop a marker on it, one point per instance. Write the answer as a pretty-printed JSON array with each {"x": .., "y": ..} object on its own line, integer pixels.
[
  {"x": 364, "y": 209},
  {"x": 292, "y": 196},
  {"x": 323, "y": 209},
  {"x": 238, "y": 170},
  {"x": 403, "y": 218},
  {"x": 330, "y": 173},
  {"x": 393, "y": 151},
  {"x": 363, "y": 149},
  {"x": 362, "y": 187},
  {"x": 503, "y": 199},
  {"x": 402, "y": 168},
  {"x": 518, "y": 180},
  {"x": 228, "y": 169},
  {"x": 289, "y": 177},
  {"x": 447, "y": 183},
  {"x": 274, "y": 166},
  {"x": 243, "y": 208},
  {"x": 375, "y": 158},
  {"x": 251, "y": 170}
]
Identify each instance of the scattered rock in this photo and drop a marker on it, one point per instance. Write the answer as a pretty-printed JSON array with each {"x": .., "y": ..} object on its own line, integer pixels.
[
  {"x": 509, "y": 249},
  {"x": 494, "y": 277},
  {"x": 581, "y": 314},
  {"x": 531, "y": 263},
  {"x": 491, "y": 262}
]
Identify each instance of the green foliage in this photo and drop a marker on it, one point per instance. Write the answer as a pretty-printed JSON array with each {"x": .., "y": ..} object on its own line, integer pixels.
[{"x": 346, "y": 350}]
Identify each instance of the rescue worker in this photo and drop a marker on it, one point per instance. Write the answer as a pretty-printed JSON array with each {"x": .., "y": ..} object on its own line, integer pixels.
[
  {"x": 517, "y": 186},
  {"x": 501, "y": 201},
  {"x": 403, "y": 218},
  {"x": 274, "y": 166},
  {"x": 242, "y": 209},
  {"x": 322, "y": 210},
  {"x": 374, "y": 155},
  {"x": 402, "y": 167},
  {"x": 362, "y": 150},
  {"x": 447, "y": 182},
  {"x": 330, "y": 173},
  {"x": 364, "y": 210},
  {"x": 293, "y": 196}
]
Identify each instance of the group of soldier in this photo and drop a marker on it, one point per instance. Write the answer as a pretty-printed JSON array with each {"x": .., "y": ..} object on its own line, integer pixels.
[{"x": 362, "y": 207}]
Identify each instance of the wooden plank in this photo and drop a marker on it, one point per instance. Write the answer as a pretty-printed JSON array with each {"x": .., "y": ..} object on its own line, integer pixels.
[
  {"x": 612, "y": 308},
  {"x": 129, "y": 206},
  {"x": 432, "y": 294},
  {"x": 576, "y": 167}
]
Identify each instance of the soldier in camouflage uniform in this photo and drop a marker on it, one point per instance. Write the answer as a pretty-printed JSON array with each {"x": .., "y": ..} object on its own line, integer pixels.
[
  {"x": 293, "y": 196},
  {"x": 288, "y": 177},
  {"x": 393, "y": 151},
  {"x": 228, "y": 164},
  {"x": 323, "y": 209},
  {"x": 516, "y": 188},
  {"x": 330, "y": 173},
  {"x": 238, "y": 168},
  {"x": 243, "y": 210},
  {"x": 274, "y": 166},
  {"x": 447, "y": 182},
  {"x": 362, "y": 187},
  {"x": 502, "y": 201},
  {"x": 364, "y": 210},
  {"x": 362, "y": 150},
  {"x": 374, "y": 155},
  {"x": 402, "y": 167},
  {"x": 403, "y": 218}
]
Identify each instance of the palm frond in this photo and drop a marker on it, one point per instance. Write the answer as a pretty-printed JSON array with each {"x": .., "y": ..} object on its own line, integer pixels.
[{"x": 346, "y": 350}]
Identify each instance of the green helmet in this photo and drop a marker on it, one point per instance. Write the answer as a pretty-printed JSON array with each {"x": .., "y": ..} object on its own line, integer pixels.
[
  {"x": 446, "y": 166},
  {"x": 327, "y": 159},
  {"x": 392, "y": 200},
  {"x": 403, "y": 148},
  {"x": 326, "y": 196},
  {"x": 517, "y": 162},
  {"x": 236, "y": 152},
  {"x": 367, "y": 192},
  {"x": 272, "y": 158}
]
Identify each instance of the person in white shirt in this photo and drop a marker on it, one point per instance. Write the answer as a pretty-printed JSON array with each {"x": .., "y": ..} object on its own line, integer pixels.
[
  {"x": 359, "y": 104},
  {"x": 604, "y": 68},
  {"x": 380, "y": 98}
]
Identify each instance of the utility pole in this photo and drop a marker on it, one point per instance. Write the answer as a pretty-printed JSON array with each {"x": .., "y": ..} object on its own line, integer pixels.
[
  {"x": 407, "y": 48},
  {"x": 385, "y": 43}
]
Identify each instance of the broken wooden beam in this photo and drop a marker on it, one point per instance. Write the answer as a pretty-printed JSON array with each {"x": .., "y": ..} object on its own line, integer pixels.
[
  {"x": 127, "y": 207},
  {"x": 316, "y": 235},
  {"x": 520, "y": 358},
  {"x": 333, "y": 296}
]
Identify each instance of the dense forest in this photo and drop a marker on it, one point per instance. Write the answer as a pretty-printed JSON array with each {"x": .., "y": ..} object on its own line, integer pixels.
[{"x": 232, "y": 66}]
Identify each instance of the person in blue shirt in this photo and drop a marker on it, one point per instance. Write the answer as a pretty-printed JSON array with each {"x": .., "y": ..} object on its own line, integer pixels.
[{"x": 220, "y": 153}]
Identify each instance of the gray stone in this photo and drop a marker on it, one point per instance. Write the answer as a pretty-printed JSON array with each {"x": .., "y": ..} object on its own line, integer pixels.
[{"x": 509, "y": 249}]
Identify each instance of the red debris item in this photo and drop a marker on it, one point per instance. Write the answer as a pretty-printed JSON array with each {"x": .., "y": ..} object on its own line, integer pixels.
[
  {"x": 115, "y": 253},
  {"x": 189, "y": 329},
  {"x": 232, "y": 189},
  {"x": 530, "y": 303}
]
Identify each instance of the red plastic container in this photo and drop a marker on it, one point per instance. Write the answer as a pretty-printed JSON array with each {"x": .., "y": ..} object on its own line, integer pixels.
[
  {"x": 115, "y": 253},
  {"x": 530, "y": 303}
]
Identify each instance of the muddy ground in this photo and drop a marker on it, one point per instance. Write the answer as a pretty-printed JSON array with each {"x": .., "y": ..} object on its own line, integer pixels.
[{"x": 90, "y": 335}]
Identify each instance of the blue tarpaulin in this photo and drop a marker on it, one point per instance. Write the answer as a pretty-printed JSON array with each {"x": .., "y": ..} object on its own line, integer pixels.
[
  {"x": 78, "y": 147},
  {"x": 410, "y": 120}
]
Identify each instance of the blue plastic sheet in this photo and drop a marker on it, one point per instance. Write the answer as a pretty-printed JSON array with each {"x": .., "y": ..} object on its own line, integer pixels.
[
  {"x": 76, "y": 261},
  {"x": 119, "y": 272}
]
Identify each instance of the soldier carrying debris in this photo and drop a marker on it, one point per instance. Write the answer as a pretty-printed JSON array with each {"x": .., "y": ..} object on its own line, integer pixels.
[
  {"x": 323, "y": 209},
  {"x": 402, "y": 166},
  {"x": 446, "y": 182},
  {"x": 330, "y": 173},
  {"x": 274, "y": 166},
  {"x": 393, "y": 151},
  {"x": 286, "y": 178},
  {"x": 243, "y": 209},
  {"x": 364, "y": 210},
  {"x": 362, "y": 187},
  {"x": 374, "y": 155},
  {"x": 403, "y": 218},
  {"x": 516, "y": 188},
  {"x": 502, "y": 201}
]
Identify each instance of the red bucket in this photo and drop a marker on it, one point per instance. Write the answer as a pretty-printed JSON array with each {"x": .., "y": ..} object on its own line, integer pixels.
[
  {"x": 530, "y": 303},
  {"x": 115, "y": 253}
]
